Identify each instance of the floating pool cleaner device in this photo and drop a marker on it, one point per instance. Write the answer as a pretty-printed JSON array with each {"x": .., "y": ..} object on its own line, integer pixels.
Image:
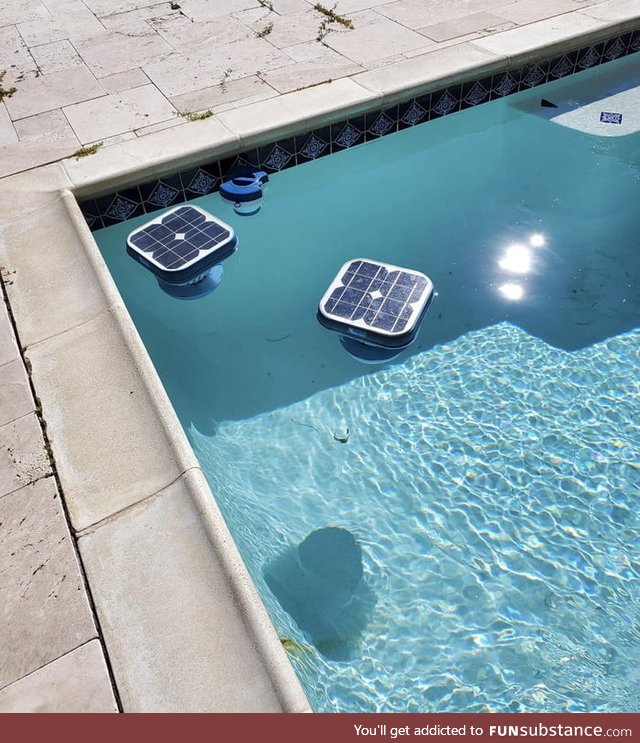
[
  {"x": 377, "y": 308},
  {"x": 184, "y": 248},
  {"x": 243, "y": 189}
]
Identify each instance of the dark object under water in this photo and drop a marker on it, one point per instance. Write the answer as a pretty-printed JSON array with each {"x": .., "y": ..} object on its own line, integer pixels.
[{"x": 320, "y": 584}]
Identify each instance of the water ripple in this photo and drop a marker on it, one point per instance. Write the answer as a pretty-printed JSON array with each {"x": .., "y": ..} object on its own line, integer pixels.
[{"x": 493, "y": 486}]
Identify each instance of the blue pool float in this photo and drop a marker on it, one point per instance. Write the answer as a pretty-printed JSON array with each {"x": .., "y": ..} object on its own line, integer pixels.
[{"x": 245, "y": 184}]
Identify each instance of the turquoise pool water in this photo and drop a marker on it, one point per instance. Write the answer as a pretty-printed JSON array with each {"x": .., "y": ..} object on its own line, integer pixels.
[{"x": 475, "y": 545}]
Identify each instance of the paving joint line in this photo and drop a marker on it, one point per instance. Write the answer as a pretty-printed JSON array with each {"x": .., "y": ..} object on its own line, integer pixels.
[{"x": 54, "y": 473}]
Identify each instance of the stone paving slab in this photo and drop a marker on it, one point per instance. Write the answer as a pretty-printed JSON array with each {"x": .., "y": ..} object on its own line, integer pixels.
[
  {"x": 113, "y": 450},
  {"x": 118, "y": 113},
  {"x": 53, "y": 91},
  {"x": 130, "y": 560},
  {"x": 64, "y": 20},
  {"x": 38, "y": 278},
  {"x": 487, "y": 22},
  {"x": 26, "y": 154},
  {"x": 23, "y": 457},
  {"x": 76, "y": 682},
  {"x": 56, "y": 56},
  {"x": 121, "y": 81},
  {"x": 8, "y": 348},
  {"x": 15, "y": 60},
  {"x": 115, "y": 51},
  {"x": 8, "y": 134},
  {"x": 15, "y": 392},
  {"x": 45, "y": 612}
]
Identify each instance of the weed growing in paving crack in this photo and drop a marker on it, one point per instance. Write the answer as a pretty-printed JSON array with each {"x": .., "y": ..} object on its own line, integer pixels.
[
  {"x": 6, "y": 92},
  {"x": 223, "y": 80},
  {"x": 195, "y": 117},
  {"x": 86, "y": 151},
  {"x": 330, "y": 18},
  {"x": 265, "y": 31}
]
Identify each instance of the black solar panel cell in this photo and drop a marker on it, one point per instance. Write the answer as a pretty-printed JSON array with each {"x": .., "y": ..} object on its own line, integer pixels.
[
  {"x": 379, "y": 297},
  {"x": 184, "y": 241}
]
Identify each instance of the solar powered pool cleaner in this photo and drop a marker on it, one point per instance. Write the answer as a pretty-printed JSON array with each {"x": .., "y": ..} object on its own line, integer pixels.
[
  {"x": 377, "y": 308},
  {"x": 243, "y": 189},
  {"x": 183, "y": 248}
]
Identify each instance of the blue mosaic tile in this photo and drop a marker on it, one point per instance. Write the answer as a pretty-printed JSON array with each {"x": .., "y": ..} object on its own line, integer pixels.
[
  {"x": 229, "y": 164},
  {"x": 120, "y": 206},
  {"x": 589, "y": 57},
  {"x": 200, "y": 181},
  {"x": 347, "y": 134},
  {"x": 446, "y": 103},
  {"x": 91, "y": 214},
  {"x": 312, "y": 145},
  {"x": 563, "y": 65},
  {"x": 504, "y": 84},
  {"x": 475, "y": 93},
  {"x": 608, "y": 117},
  {"x": 413, "y": 112},
  {"x": 614, "y": 49},
  {"x": 378, "y": 124},
  {"x": 532, "y": 75},
  {"x": 277, "y": 156}
]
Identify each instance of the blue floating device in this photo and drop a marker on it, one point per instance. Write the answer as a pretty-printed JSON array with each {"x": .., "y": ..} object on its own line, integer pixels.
[
  {"x": 244, "y": 189},
  {"x": 183, "y": 248},
  {"x": 377, "y": 308}
]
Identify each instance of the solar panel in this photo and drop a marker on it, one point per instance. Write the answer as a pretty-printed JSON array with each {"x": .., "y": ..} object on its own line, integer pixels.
[
  {"x": 182, "y": 243},
  {"x": 376, "y": 301}
]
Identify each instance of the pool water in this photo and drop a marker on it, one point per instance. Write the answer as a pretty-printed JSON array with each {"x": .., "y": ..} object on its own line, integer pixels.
[{"x": 474, "y": 544}]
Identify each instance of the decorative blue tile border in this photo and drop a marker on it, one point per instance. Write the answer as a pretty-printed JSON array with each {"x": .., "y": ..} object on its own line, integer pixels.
[{"x": 285, "y": 153}]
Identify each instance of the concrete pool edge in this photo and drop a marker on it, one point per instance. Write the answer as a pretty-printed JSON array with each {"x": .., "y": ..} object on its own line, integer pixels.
[
  {"x": 46, "y": 196},
  {"x": 214, "y": 649}
]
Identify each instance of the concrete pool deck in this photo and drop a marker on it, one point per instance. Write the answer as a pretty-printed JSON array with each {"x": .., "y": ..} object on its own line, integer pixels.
[{"x": 151, "y": 575}]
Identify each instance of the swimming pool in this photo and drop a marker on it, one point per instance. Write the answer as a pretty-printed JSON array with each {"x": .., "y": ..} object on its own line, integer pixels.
[{"x": 488, "y": 489}]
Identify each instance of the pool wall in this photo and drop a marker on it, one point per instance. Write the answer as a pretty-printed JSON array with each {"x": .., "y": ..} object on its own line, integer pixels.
[{"x": 182, "y": 622}]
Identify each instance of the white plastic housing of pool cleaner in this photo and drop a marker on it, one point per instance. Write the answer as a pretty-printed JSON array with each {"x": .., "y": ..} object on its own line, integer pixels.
[
  {"x": 183, "y": 248},
  {"x": 377, "y": 308}
]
